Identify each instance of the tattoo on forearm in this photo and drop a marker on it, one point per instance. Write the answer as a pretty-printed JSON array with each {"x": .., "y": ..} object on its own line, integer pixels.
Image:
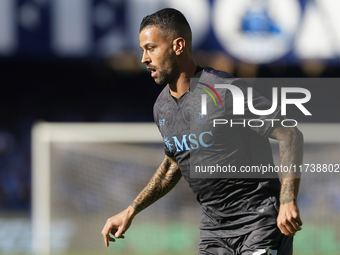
[
  {"x": 289, "y": 188},
  {"x": 291, "y": 154},
  {"x": 166, "y": 177}
]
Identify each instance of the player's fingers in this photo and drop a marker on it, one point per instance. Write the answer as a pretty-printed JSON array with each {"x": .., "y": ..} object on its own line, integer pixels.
[
  {"x": 290, "y": 227},
  {"x": 106, "y": 240},
  {"x": 105, "y": 236},
  {"x": 294, "y": 224},
  {"x": 120, "y": 232},
  {"x": 111, "y": 239},
  {"x": 289, "y": 222},
  {"x": 295, "y": 220},
  {"x": 285, "y": 228},
  {"x": 299, "y": 221},
  {"x": 282, "y": 229},
  {"x": 113, "y": 231},
  {"x": 105, "y": 233}
]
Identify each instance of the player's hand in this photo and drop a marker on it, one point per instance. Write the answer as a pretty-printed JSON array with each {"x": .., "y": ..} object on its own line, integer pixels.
[
  {"x": 288, "y": 220},
  {"x": 117, "y": 225}
]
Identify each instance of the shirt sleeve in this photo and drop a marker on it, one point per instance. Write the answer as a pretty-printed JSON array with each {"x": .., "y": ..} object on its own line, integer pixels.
[{"x": 165, "y": 139}]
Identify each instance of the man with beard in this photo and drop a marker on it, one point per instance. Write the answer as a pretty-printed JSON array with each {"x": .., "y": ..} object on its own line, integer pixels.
[{"x": 239, "y": 216}]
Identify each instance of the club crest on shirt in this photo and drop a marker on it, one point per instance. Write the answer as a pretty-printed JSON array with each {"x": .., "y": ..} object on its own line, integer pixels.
[{"x": 200, "y": 118}]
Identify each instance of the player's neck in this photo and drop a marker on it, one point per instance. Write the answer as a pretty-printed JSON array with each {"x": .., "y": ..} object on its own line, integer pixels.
[{"x": 182, "y": 85}]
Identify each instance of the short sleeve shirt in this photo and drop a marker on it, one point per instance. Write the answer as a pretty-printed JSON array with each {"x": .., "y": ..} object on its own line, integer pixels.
[{"x": 230, "y": 206}]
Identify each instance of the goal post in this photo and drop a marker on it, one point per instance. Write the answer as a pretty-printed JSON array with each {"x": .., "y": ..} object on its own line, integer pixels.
[
  {"x": 43, "y": 134},
  {"x": 83, "y": 173}
]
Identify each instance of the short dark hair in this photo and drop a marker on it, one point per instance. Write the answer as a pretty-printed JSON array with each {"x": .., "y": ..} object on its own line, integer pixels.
[{"x": 169, "y": 21}]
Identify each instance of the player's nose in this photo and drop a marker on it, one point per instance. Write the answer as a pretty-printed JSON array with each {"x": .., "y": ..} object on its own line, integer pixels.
[{"x": 145, "y": 58}]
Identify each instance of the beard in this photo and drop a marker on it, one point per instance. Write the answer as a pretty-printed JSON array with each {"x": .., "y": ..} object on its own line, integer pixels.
[{"x": 168, "y": 71}]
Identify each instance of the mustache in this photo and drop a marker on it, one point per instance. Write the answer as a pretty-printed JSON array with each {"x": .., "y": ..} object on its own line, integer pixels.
[{"x": 151, "y": 66}]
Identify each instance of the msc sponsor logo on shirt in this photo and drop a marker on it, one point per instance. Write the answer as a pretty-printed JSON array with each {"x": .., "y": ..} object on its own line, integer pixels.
[{"x": 189, "y": 142}]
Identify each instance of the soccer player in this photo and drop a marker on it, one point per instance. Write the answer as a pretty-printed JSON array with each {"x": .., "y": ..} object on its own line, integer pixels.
[{"x": 239, "y": 215}]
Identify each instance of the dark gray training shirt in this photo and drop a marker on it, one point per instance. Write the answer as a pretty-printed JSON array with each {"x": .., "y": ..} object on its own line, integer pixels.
[{"x": 231, "y": 206}]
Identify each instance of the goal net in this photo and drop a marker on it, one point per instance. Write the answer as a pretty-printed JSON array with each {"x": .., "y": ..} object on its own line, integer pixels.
[{"x": 86, "y": 173}]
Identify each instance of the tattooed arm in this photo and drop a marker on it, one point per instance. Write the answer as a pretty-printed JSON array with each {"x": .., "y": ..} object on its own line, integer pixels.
[
  {"x": 291, "y": 153},
  {"x": 165, "y": 178}
]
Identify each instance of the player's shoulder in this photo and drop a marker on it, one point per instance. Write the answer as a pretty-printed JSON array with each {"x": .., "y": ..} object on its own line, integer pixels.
[
  {"x": 217, "y": 76},
  {"x": 217, "y": 73},
  {"x": 163, "y": 96},
  {"x": 162, "y": 99}
]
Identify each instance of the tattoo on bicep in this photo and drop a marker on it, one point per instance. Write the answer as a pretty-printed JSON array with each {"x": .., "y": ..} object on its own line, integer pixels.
[{"x": 166, "y": 177}]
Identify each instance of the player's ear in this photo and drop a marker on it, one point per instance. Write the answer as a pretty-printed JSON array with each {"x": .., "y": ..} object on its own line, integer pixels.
[{"x": 178, "y": 45}]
